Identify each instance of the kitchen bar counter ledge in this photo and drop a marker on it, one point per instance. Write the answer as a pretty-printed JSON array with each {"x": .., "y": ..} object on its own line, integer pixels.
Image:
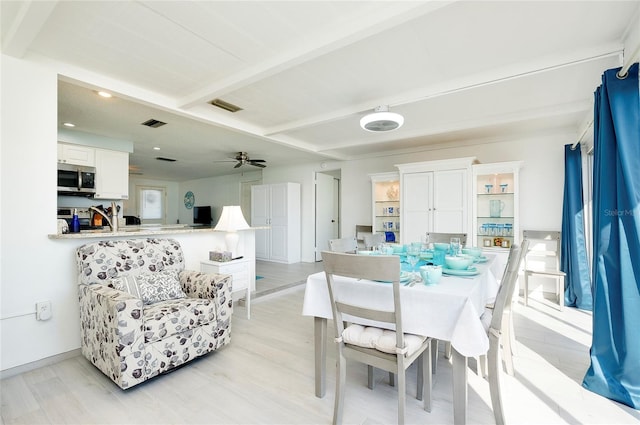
[{"x": 133, "y": 231}]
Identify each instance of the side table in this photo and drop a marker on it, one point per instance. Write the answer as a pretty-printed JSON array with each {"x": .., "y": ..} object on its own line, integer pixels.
[{"x": 239, "y": 270}]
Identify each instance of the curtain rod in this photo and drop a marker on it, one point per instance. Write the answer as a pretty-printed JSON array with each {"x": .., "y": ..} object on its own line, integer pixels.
[
  {"x": 621, "y": 74},
  {"x": 582, "y": 135},
  {"x": 632, "y": 59}
]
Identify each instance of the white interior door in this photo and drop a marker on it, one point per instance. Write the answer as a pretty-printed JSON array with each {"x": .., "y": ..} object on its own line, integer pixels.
[{"x": 326, "y": 221}]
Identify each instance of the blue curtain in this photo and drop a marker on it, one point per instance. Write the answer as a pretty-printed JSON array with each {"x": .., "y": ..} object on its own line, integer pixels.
[
  {"x": 573, "y": 256},
  {"x": 615, "y": 348}
]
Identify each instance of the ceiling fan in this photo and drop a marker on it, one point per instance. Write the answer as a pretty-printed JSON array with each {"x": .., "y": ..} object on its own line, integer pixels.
[{"x": 242, "y": 158}]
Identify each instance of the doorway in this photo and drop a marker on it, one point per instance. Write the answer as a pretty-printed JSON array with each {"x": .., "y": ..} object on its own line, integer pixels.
[{"x": 327, "y": 224}]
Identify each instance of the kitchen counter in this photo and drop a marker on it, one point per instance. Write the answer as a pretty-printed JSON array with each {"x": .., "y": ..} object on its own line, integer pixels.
[{"x": 135, "y": 231}]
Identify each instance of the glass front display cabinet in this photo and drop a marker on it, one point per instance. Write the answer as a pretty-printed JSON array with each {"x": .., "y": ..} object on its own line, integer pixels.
[
  {"x": 386, "y": 205},
  {"x": 496, "y": 205}
]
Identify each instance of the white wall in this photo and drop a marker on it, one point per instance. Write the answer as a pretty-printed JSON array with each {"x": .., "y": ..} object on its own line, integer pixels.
[
  {"x": 215, "y": 192},
  {"x": 30, "y": 262}
]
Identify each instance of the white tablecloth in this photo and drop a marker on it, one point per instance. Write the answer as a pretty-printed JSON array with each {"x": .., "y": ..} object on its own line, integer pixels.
[{"x": 448, "y": 311}]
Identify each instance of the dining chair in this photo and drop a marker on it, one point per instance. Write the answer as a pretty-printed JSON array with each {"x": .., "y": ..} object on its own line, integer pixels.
[
  {"x": 346, "y": 245},
  {"x": 545, "y": 249},
  {"x": 379, "y": 347},
  {"x": 374, "y": 239},
  {"x": 493, "y": 320},
  {"x": 446, "y": 237},
  {"x": 508, "y": 339}
]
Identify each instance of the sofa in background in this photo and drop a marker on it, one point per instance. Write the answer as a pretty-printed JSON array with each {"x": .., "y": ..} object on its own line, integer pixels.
[{"x": 142, "y": 314}]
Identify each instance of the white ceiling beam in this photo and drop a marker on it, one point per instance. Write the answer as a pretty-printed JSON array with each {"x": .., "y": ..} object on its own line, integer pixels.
[
  {"x": 521, "y": 70},
  {"x": 483, "y": 122},
  {"x": 382, "y": 20},
  {"x": 26, "y": 26}
]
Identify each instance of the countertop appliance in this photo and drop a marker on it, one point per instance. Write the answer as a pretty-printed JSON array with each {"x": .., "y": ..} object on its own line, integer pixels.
[
  {"x": 76, "y": 180},
  {"x": 84, "y": 215}
]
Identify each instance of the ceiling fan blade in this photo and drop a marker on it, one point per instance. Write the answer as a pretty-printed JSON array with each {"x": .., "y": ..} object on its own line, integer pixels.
[
  {"x": 257, "y": 165},
  {"x": 239, "y": 164},
  {"x": 257, "y": 160}
]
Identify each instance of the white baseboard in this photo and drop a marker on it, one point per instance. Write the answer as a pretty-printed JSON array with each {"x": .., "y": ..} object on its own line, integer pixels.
[{"x": 7, "y": 373}]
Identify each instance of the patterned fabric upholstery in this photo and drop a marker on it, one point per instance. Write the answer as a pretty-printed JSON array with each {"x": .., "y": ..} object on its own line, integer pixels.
[{"x": 131, "y": 342}]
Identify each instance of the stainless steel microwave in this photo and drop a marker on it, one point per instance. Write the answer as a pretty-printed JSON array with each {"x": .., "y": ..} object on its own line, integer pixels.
[{"x": 76, "y": 180}]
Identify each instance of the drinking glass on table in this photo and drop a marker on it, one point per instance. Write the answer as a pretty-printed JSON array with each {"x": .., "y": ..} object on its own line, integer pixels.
[
  {"x": 424, "y": 239},
  {"x": 455, "y": 246},
  {"x": 413, "y": 256}
]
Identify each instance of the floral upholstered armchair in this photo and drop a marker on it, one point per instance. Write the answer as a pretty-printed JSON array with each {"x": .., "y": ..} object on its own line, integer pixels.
[{"x": 142, "y": 314}]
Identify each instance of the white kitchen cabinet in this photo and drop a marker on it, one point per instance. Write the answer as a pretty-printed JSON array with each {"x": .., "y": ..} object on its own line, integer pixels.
[
  {"x": 112, "y": 174},
  {"x": 241, "y": 273},
  {"x": 496, "y": 205},
  {"x": 76, "y": 154},
  {"x": 276, "y": 207},
  {"x": 435, "y": 197},
  {"x": 385, "y": 194}
]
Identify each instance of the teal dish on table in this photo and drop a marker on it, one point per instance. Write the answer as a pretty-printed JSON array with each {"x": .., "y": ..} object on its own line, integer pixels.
[{"x": 471, "y": 271}]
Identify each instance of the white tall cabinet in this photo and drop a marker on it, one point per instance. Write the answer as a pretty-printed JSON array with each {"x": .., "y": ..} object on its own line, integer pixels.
[
  {"x": 434, "y": 197},
  {"x": 276, "y": 207}
]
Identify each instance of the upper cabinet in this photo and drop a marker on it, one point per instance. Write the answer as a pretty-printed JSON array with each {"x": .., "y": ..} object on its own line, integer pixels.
[
  {"x": 76, "y": 155},
  {"x": 496, "y": 205},
  {"x": 112, "y": 168},
  {"x": 434, "y": 197},
  {"x": 386, "y": 203},
  {"x": 112, "y": 174}
]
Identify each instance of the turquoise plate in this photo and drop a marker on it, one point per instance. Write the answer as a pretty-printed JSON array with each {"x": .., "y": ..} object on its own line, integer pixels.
[
  {"x": 480, "y": 260},
  {"x": 468, "y": 272}
]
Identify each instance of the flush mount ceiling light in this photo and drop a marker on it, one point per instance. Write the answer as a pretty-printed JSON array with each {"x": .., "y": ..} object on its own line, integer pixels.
[{"x": 381, "y": 120}]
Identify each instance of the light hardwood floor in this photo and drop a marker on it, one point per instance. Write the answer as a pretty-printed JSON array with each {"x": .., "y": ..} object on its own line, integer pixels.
[{"x": 265, "y": 376}]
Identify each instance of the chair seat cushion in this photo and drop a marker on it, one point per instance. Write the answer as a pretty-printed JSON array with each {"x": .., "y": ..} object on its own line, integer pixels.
[
  {"x": 381, "y": 339},
  {"x": 167, "y": 318}
]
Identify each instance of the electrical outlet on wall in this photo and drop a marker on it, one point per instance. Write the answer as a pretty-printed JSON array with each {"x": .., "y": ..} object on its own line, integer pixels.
[{"x": 43, "y": 310}]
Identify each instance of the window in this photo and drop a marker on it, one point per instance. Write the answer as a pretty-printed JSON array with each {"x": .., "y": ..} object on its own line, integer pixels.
[{"x": 151, "y": 205}]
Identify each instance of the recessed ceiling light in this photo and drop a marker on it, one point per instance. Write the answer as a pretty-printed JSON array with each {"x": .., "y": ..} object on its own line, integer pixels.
[
  {"x": 155, "y": 148},
  {"x": 68, "y": 124},
  {"x": 104, "y": 94}
]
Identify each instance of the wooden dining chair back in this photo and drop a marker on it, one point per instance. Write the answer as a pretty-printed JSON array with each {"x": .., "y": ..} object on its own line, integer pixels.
[
  {"x": 379, "y": 347},
  {"x": 374, "y": 239},
  {"x": 508, "y": 332},
  {"x": 346, "y": 245},
  {"x": 543, "y": 260},
  {"x": 494, "y": 321},
  {"x": 446, "y": 237}
]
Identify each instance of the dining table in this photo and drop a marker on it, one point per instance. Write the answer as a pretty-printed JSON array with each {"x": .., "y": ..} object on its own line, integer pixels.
[{"x": 449, "y": 311}]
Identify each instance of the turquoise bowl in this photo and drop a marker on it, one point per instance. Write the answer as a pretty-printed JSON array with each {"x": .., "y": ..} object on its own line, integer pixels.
[
  {"x": 441, "y": 246},
  {"x": 457, "y": 263},
  {"x": 474, "y": 252},
  {"x": 430, "y": 274},
  {"x": 398, "y": 249}
]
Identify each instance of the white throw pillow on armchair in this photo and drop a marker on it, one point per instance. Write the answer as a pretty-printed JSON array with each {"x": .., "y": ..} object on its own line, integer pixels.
[{"x": 151, "y": 287}]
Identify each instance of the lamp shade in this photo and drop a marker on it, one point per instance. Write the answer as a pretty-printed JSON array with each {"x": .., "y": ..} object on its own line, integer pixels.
[
  {"x": 231, "y": 219},
  {"x": 381, "y": 120}
]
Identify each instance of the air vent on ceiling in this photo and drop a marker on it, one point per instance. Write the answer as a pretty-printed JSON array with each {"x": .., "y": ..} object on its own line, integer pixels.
[
  {"x": 225, "y": 105},
  {"x": 153, "y": 123},
  {"x": 162, "y": 158}
]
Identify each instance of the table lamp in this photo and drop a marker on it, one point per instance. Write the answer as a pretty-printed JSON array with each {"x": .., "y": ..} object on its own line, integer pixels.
[{"x": 231, "y": 221}]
